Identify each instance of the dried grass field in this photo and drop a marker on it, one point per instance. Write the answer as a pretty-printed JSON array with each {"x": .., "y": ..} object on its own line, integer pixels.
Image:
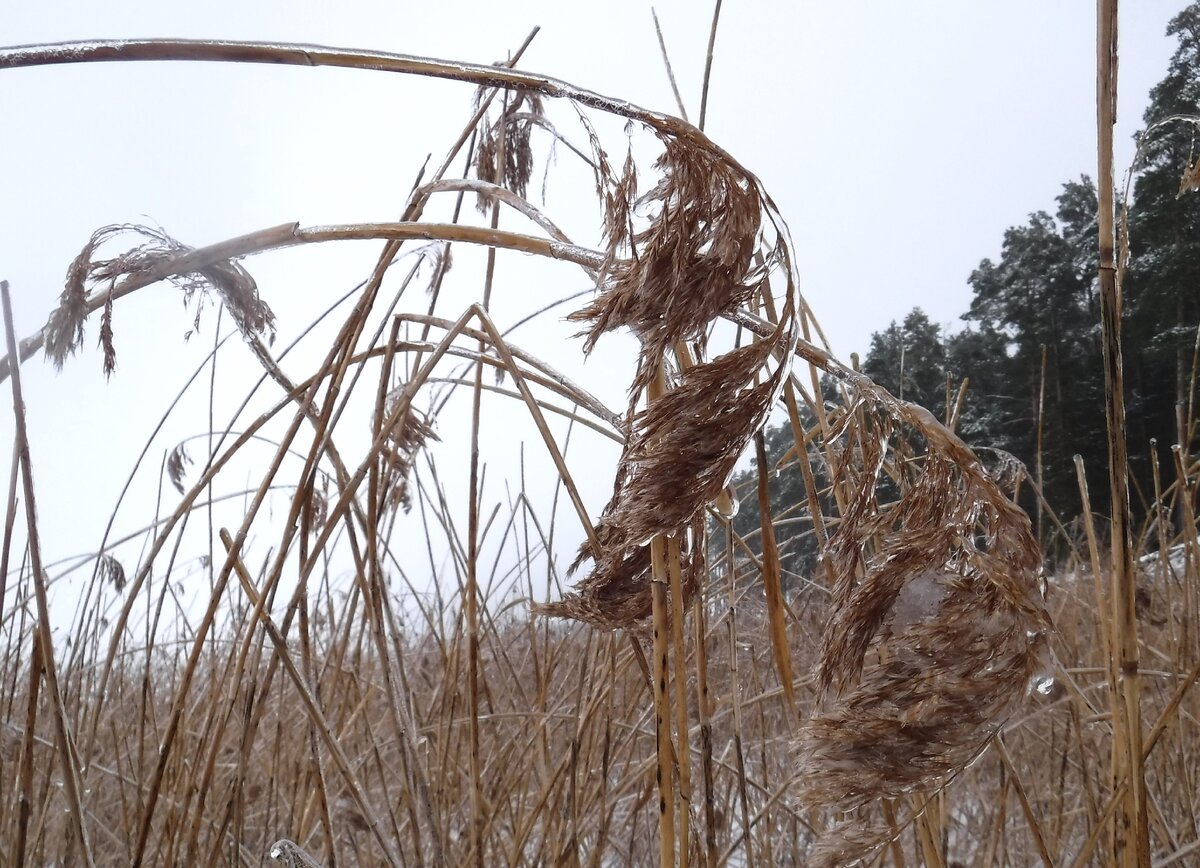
[{"x": 382, "y": 668}]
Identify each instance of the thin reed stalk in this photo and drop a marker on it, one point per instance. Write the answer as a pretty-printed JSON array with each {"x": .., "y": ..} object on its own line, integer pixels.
[
  {"x": 64, "y": 739},
  {"x": 1133, "y": 837},
  {"x": 661, "y": 608}
]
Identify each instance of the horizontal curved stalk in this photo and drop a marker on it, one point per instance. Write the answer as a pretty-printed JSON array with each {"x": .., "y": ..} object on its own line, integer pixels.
[
  {"x": 293, "y": 234},
  {"x": 296, "y": 54}
]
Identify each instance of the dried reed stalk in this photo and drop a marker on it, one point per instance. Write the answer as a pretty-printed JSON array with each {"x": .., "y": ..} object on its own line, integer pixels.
[
  {"x": 683, "y": 751},
  {"x": 704, "y": 718},
  {"x": 1132, "y": 842},
  {"x": 772, "y": 580},
  {"x": 44, "y": 637},
  {"x": 663, "y": 748}
]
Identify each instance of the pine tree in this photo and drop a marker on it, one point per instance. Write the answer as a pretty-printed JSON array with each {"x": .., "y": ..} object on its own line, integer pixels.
[
  {"x": 1039, "y": 303},
  {"x": 909, "y": 360},
  {"x": 1162, "y": 289},
  {"x": 1031, "y": 346}
]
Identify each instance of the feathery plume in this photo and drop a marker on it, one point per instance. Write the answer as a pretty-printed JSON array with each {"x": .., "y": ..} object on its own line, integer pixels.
[{"x": 229, "y": 280}]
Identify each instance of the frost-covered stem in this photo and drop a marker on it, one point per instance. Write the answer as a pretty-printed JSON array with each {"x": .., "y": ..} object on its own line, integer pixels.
[
  {"x": 1132, "y": 834},
  {"x": 773, "y": 583},
  {"x": 293, "y": 234},
  {"x": 294, "y": 54},
  {"x": 660, "y": 605},
  {"x": 64, "y": 743},
  {"x": 703, "y": 714},
  {"x": 683, "y": 749}
]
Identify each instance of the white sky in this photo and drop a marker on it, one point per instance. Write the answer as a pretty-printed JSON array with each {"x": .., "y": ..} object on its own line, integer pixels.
[{"x": 898, "y": 139}]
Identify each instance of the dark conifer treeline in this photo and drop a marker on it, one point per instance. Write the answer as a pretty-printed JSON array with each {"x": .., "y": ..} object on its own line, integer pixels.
[{"x": 1030, "y": 344}]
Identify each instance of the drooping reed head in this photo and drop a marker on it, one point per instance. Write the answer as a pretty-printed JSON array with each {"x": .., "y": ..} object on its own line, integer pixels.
[
  {"x": 936, "y": 625},
  {"x": 702, "y": 256},
  {"x": 228, "y": 279}
]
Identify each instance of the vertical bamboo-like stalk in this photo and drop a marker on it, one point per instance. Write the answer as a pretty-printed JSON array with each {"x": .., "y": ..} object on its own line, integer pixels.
[
  {"x": 660, "y": 605},
  {"x": 772, "y": 845},
  {"x": 735, "y": 687},
  {"x": 682, "y": 748},
  {"x": 1103, "y": 609},
  {"x": 772, "y": 582},
  {"x": 703, "y": 714},
  {"x": 662, "y": 705},
  {"x": 1132, "y": 838},
  {"x": 1191, "y": 551},
  {"x": 708, "y": 62},
  {"x": 25, "y": 772},
  {"x": 1035, "y": 828},
  {"x": 376, "y": 606},
  {"x": 63, "y": 741},
  {"x": 477, "y": 811},
  {"x": 1164, "y": 548},
  {"x": 927, "y": 838},
  {"x": 804, "y": 462},
  {"x": 472, "y": 613},
  {"x": 1038, "y": 462},
  {"x": 953, "y": 417},
  {"x": 800, "y": 440}
]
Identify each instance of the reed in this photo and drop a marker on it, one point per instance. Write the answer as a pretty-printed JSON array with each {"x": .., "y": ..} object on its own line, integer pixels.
[{"x": 383, "y": 668}]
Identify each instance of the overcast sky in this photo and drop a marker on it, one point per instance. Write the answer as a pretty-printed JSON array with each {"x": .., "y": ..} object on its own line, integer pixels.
[{"x": 898, "y": 139}]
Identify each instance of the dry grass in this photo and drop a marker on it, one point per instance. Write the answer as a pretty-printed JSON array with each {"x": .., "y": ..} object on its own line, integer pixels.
[{"x": 320, "y": 704}]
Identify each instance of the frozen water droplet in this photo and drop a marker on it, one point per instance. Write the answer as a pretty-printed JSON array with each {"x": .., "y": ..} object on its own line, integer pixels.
[
  {"x": 1043, "y": 684},
  {"x": 727, "y": 504}
]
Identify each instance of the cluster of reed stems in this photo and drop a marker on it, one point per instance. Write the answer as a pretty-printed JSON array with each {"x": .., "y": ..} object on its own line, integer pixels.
[{"x": 917, "y": 700}]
